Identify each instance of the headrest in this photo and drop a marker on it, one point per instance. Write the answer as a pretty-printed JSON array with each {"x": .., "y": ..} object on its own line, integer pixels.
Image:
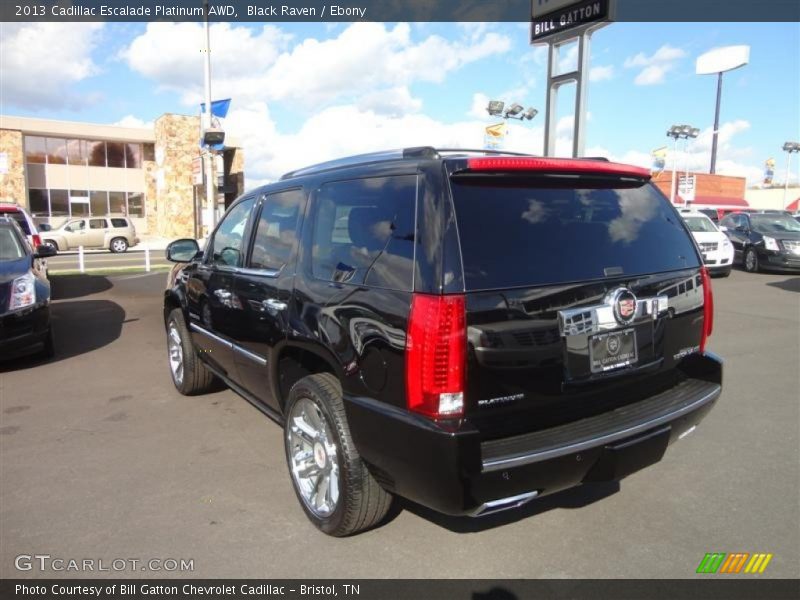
[{"x": 369, "y": 227}]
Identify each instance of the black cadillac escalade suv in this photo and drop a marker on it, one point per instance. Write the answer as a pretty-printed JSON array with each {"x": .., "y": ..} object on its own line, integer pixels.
[{"x": 465, "y": 329}]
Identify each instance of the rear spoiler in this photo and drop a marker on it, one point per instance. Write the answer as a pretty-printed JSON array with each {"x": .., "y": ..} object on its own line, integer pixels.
[{"x": 488, "y": 164}]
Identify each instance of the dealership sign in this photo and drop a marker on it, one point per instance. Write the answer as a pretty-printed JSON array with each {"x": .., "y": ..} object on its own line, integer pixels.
[{"x": 551, "y": 18}]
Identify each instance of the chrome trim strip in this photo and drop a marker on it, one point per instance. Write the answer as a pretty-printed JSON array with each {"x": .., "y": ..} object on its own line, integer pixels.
[
  {"x": 251, "y": 355},
  {"x": 534, "y": 457},
  {"x": 271, "y": 273},
  {"x": 488, "y": 508},
  {"x": 243, "y": 351},
  {"x": 213, "y": 336}
]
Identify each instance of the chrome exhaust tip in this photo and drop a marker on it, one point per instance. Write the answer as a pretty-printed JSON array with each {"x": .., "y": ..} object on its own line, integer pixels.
[{"x": 494, "y": 506}]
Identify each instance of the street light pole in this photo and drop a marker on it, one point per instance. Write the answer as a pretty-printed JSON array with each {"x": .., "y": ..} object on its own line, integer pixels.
[
  {"x": 789, "y": 148},
  {"x": 211, "y": 196},
  {"x": 716, "y": 126},
  {"x": 674, "y": 168}
]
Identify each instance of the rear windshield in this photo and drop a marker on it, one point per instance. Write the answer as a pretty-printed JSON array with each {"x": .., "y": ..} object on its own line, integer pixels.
[{"x": 514, "y": 234}]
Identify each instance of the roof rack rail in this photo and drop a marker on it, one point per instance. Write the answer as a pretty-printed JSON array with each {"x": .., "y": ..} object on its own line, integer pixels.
[
  {"x": 385, "y": 155},
  {"x": 480, "y": 151},
  {"x": 358, "y": 159}
]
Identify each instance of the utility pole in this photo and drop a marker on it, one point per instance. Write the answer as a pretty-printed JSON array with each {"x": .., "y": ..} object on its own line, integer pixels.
[{"x": 211, "y": 192}]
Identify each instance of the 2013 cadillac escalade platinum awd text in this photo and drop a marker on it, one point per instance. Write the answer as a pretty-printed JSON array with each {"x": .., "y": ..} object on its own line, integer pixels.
[{"x": 465, "y": 329}]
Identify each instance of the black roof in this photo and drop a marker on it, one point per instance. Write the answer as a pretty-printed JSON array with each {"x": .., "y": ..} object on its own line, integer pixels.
[{"x": 417, "y": 152}]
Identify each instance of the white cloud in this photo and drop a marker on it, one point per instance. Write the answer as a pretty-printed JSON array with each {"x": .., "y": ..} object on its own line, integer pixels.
[
  {"x": 478, "y": 108},
  {"x": 732, "y": 158},
  {"x": 655, "y": 67},
  {"x": 601, "y": 73},
  {"x": 364, "y": 58},
  {"x": 346, "y": 130},
  {"x": 392, "y": 102},
  {"x": 40, "y": 61},
  {"x": 133, "y": 121},
  {"x": 171, "y": 54}
]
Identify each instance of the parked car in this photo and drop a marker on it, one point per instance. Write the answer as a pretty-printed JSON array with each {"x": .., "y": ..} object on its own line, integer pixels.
[
  {"x": 465, "y": 329},
  {"x": 23, "y": 219},
  {"x": 24, "y": 295},
  {"x": 115, "y": 233},
  {"x": 711, "y": 213},
  {"x": 714, "y": 245},
  {"x": 765, "y": 240}
]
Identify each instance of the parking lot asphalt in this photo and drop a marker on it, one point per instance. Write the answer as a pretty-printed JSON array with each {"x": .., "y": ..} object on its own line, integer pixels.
[{"x": 100, "y": 458}]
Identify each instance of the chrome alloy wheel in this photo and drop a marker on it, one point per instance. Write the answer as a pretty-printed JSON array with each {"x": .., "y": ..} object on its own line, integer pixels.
[
  {"x": 313, "y": 456},
  {"x": 750, "y": 260},
  {"x": 175, "y": 349},
  {"x": 119, "y": 245}
]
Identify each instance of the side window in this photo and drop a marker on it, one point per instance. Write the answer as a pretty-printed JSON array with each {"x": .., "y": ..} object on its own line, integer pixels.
[
  {"x": 119, "y": 223},
  {"x": 227, "y": 245},
  {"x": 276, "y": 230},
  {"x": 97, "y": 224},
  {"x": 76, "y": 225},
  {"x": 364, "y": 232}
]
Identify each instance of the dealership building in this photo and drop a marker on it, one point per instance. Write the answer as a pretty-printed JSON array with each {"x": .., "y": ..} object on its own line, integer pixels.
[{"x": 153, "y": 175}]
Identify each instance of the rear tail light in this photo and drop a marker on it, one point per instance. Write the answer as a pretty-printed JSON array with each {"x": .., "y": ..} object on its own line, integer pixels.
[
  {"x": 554, "y": 165},
  {"x": 37, "y": 241},
  {"x": 436, "y": 349},
  {"x": 708, "y": 308}
]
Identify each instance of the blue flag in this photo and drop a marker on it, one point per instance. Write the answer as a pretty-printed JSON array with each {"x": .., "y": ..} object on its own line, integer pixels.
[{"x": 219, "y": 108}]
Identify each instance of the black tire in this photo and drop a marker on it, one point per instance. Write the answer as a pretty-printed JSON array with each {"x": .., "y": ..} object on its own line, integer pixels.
[
  {"x": 52, "y": 243},
  {"x": 118, "y": 245},
  {"x": 194, "y": 378},
  {"x": 362, "y": 502},
  {"x": 750, "y": 260}
]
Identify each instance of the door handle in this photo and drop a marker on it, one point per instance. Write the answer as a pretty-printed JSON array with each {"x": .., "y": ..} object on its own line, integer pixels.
[{"x": 273, "y": 304}]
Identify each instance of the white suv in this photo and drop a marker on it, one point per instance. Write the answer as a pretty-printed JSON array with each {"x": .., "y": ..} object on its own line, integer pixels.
[{"x": 715, "y": 246}]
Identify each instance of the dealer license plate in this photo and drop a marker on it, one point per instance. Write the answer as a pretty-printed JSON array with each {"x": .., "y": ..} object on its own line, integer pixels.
[{"x": 612, "y": 350}]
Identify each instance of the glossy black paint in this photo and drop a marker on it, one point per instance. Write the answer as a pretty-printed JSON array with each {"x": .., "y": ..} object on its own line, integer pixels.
[
  {"x": 358, "y": 333},
  {"x": 745, "y": 233},
  {"x": 23, "y": 331}
]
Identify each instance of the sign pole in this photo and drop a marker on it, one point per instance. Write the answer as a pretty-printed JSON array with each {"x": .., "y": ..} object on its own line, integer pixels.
[
  {"x": 211, "y": 196},
  {"x": 716, "y": 126}
]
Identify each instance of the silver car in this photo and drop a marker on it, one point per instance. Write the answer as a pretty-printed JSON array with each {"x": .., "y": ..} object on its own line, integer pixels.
[{"x": 115, "y": 233}]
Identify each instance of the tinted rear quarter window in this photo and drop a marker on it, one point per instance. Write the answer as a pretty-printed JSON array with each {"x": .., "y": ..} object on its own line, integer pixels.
[
  {"x": 364, "y": 232},
  {"x": 119, "y": 223},
  {"x": 518, "y": 233},
  {"x": 276, "y": 230},
  {"x": 21, "y": 221}
]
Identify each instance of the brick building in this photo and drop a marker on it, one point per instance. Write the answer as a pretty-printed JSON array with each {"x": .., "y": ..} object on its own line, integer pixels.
[{"x": 62, "y": 169}]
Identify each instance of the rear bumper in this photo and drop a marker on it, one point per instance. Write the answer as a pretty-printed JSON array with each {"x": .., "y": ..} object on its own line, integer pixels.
[{"x": 454, "y": 472}]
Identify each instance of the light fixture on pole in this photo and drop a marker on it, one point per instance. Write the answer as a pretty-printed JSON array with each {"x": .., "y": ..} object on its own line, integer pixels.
[
  {"x": 717, "y": 62},
  {"x": 515, "y": 111},
  {"x": 789, "y": 148},
  {"x": 677, "y": 132}
]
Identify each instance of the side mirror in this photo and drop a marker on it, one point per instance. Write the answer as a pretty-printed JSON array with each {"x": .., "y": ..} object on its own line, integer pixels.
[
  {"x": 742, "y": 229},
  {"x": 44, "y": 251},
  {"x": 182, "y": 251}
]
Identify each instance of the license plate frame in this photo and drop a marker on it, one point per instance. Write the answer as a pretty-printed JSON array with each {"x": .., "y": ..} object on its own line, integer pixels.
[{"x": 603, "y": 357}]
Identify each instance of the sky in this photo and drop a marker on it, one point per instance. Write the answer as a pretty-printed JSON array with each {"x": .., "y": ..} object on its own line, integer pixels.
[{"x": 307, "y": 92}]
